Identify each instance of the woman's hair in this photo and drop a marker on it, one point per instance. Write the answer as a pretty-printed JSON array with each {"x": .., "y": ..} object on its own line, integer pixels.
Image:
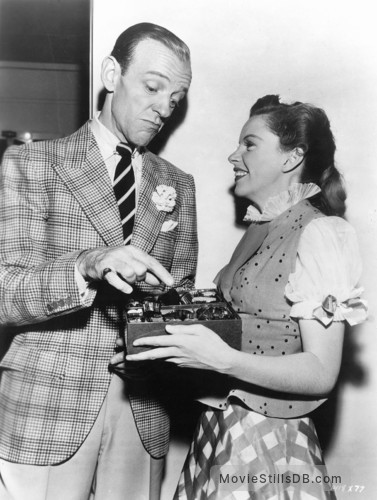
[
  {"x": 127, "y": 42},
  {"x": 304, "y": 126}
]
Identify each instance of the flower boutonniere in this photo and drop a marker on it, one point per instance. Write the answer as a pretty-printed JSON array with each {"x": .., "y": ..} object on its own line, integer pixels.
[{"x": 164, "y": 198}]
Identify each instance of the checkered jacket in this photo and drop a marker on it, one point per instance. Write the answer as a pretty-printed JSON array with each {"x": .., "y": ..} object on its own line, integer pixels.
[{"x": 56, "y": 199}]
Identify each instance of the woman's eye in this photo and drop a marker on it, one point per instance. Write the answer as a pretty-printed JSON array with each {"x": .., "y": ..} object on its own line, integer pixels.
[{"x": 249, "y": 145}]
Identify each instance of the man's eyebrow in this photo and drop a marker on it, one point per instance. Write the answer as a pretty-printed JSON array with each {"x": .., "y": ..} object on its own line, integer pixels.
[
  {"x": 157, "y": 73},
  {"x": 161, "y": 75}
]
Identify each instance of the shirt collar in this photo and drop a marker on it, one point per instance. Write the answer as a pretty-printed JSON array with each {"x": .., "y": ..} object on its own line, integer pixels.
[
  {"x": 106, "y": 140},
  {"x": 278, "y": 204}
]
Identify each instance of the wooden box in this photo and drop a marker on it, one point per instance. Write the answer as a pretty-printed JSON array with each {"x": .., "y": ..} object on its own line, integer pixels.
[{"x": 206, "y": 307}]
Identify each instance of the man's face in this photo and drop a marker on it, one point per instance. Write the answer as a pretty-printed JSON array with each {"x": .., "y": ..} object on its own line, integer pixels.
[{"x": 149, "y": 91}]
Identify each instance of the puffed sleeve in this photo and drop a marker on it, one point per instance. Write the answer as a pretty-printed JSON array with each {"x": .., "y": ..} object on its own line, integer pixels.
[{"x": 324, "y": 285}]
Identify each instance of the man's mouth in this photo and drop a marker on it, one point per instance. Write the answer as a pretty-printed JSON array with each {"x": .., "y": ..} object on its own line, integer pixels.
[{"x": 153, "y": 125}]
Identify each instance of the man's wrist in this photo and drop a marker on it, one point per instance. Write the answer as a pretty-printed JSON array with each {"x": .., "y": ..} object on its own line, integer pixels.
[
  {"x": 80, "y": 264},
  {"x": 82, "y": 281}
]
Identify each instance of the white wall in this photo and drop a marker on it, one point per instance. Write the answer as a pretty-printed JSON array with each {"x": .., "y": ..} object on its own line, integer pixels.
[{"x": 321, "y": 52}]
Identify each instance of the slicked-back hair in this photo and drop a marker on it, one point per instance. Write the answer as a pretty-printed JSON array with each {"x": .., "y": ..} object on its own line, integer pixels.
[{"x": 127, "y": 42}]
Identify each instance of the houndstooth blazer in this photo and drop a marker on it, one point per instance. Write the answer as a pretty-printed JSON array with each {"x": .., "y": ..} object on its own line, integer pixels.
[{"x": 56, "y": 199}]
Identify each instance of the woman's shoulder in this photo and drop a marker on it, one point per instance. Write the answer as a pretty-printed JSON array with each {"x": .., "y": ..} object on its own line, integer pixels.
[
  {"x": 326, "y": 230},
  {"x": 330, "y": 241},
  {"x": 332, "y": 222},
  {"x": 328, "y": 264}
]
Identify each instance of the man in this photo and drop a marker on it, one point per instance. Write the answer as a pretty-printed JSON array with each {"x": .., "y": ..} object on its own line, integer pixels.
[{"x": 66, "y": 427}]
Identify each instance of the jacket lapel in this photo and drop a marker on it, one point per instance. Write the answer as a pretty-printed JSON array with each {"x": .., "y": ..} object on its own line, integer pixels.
[
  {"x": 148, "y": 219},
  {"x": 85, "y": 174}
]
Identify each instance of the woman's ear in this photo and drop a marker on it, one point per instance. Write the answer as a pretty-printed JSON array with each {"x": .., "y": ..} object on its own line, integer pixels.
[
  {"x": 110, "y": 72},
  {"x": 294, "y": 160}
]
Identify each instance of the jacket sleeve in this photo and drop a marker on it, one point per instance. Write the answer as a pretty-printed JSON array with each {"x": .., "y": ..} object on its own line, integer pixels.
[
  {"x": 36, "y": 280},
  {"x": 186, "y": 249}
]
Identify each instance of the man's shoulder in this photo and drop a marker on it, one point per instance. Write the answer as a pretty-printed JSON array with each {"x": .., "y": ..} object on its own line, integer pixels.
[
  {"x": 164, "y": 165},
  {"x": 53, "y": 148},
  {"x": 36, "y": 158}
]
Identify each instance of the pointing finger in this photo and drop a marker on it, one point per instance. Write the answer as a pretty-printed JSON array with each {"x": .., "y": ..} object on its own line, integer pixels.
[
  {"x": 151, "y": 279},
  {"x": 154, "y": 267},
  {"x": 157, "y": 270},
  {"x": 113, "y": 279}
]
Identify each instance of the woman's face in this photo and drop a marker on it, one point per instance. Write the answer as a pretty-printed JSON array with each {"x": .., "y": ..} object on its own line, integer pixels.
[{"x": 258, "y": 162}]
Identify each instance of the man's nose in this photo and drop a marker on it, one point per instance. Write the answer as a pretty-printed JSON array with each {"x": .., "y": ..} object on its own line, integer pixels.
[{"x": 163, "y": 107}]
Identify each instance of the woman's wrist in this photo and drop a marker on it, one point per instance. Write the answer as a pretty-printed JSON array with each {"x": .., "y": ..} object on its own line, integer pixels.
[{"x": 229, "y": 362}]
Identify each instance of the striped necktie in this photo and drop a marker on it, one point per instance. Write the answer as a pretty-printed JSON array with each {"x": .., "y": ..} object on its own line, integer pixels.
[{"x": 124, "y": 188}]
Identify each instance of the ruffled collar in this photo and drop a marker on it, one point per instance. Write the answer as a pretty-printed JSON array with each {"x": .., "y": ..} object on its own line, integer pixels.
[{"x": 278, "y": 204}]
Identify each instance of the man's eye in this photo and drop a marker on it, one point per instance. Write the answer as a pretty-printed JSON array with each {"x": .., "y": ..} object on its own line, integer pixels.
[
  {"x": 151, "y": 89},
  {"x": 174, "y": 104}
]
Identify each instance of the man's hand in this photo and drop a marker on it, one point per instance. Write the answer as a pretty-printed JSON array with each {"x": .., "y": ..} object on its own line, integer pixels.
[
  {"x": 122, "y": 266},
  {"x": 132, "y": 370}
]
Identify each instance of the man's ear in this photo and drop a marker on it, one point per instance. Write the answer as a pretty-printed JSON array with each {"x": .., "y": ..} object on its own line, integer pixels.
[
  {"x": 110, "y": 72},
  {"x": 294, "y": 160}
]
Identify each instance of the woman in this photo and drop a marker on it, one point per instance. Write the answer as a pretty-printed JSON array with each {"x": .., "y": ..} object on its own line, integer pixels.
[{"x": 293, "y": 281}]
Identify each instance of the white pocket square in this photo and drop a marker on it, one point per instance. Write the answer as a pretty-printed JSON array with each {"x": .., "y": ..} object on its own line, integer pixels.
[{"x": 168, "y": 225}]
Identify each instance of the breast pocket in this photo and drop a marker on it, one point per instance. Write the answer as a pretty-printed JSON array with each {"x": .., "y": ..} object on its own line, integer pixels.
[{"x": 164, "y": 247}]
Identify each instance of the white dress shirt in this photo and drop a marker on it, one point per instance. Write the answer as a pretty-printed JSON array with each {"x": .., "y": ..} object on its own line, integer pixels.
[{"x": 107, "y": 143}]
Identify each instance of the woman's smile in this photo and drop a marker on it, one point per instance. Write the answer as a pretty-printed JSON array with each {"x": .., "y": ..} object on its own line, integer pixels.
[
  {"x": 258, "y": 161},
  {"x": 239, "y": 173}
]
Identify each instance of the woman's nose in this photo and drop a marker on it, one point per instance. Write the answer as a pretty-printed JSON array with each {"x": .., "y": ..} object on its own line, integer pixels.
[{"x": 234, "y": 157}]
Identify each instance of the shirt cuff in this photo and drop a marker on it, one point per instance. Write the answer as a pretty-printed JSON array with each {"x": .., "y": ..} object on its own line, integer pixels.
[{"x": 82, "y": 284}]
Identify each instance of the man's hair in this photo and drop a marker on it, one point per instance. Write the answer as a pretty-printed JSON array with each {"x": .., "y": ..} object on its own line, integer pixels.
[{"x": 127, "y": 42}]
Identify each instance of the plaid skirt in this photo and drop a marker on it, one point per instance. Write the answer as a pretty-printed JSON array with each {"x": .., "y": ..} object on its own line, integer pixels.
[{"x": 238, "y": 454}]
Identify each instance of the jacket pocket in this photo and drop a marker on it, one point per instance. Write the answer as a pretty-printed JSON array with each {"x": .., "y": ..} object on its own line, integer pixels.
[{"x": 35, "y": 362}]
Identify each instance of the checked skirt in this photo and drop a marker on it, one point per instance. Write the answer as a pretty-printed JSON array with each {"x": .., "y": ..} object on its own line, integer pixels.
[{"x": 232, "y": 447}]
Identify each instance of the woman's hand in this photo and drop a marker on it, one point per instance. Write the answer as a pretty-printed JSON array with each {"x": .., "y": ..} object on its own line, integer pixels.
[{"x": 188, "y": 346}]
